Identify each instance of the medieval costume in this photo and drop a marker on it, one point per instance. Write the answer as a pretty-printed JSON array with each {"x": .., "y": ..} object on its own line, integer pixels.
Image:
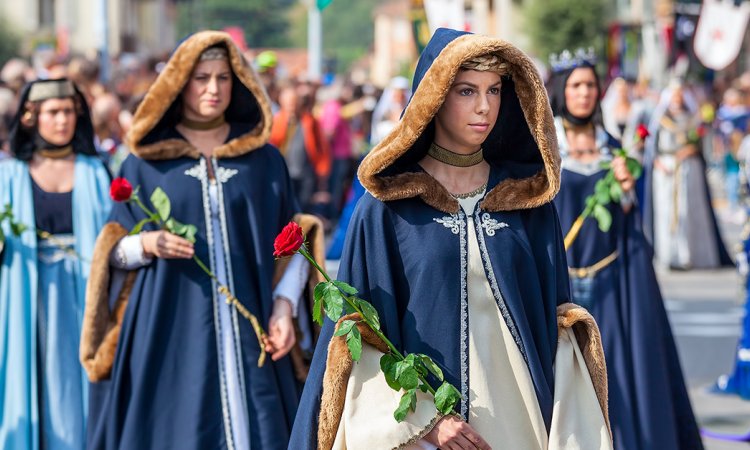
[
  {"x": 678, "y": 210},
  {"x": 478, "y": 284},
  {"x": 172, "y": 364},
  {"x": 613, "y": 277},
  {"x": 43, "y": 389}
]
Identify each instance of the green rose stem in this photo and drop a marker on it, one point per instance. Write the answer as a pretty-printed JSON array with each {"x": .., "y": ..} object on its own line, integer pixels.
[
  {"x": 17, "y": 228},
  {"x": 303, "y": 251},
  {"x": 224, "y": 290}
]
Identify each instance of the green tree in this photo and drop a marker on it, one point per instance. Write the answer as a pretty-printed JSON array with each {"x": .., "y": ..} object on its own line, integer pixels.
[
  {"x": 554, "y": 25},
  {"x": 265, "y": 22},
  {"x": 10, "y": 42}
]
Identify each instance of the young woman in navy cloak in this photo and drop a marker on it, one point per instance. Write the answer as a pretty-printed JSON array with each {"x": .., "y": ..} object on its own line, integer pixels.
[
  {"x": 612, "y": 275},
  {"x": 458, "y": 246},
  {"x": 172, "y": 364}
]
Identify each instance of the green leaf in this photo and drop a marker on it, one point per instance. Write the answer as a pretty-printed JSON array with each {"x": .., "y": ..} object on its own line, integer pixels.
[
  {"x": 139, "y": 226},
  {"x": 344, "y": 328},
  {"x": 370, "y": 313},
  {"x": 333, "y": 301},
  {"x": 190, "y": 231},
  {"x": 18, "y": 228},
  {"x": 161, "y": 202},
  {"x": 317, "y": 312},
  {"x": 408, "y": 402},
  {"x": 406, "y": 375},
  {"x": 603, "y": 217},
  {"x": 345, "y": 288},
  {"x": 431, "y": 366},
  {"x": 634, "y": 167},
  {"x": 446, "y": 398},
  {"x": 2, "y": 239},
  {"x": 354, "y": 342},
  {"x": 388, "y": 366}
]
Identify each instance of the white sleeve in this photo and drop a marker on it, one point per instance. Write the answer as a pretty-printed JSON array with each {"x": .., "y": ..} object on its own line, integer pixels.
[
  {"x": 293, "y": 281},
  {"x": 128, "y": 254}
]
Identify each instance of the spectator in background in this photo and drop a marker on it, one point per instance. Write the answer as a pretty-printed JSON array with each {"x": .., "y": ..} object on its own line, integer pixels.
[
  {"x": 300, "y": 139},
  {"x": 339, "y": 135},
  {"x": 105, "y": 115}
]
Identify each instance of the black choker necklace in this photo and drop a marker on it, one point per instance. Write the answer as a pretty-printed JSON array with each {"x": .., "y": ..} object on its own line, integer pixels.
[
  {"x": 203, "y": 126},
  {"x": 455, "y": 159}
]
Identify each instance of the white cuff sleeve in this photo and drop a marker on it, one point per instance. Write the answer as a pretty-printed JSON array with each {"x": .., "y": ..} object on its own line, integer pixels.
[
  {"x": 293, "y": 281},
  {"x": 128, "y": 254}
]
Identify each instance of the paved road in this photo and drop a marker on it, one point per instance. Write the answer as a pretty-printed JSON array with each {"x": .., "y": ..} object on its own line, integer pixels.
[{"x": 705, "y": 310}]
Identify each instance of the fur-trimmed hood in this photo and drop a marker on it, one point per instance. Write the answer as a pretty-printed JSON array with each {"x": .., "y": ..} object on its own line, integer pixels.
[
  {"x": 150, "y": 136},
  {"x": 523, "y": 142}
]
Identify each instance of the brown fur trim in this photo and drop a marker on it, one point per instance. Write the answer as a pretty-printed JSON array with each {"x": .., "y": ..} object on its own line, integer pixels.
[
  {"x": 430, "y": 94},
  {"x": 338, "y": 369},
  {"x": 570, "y": 315},
  {"x": 101, "y": 327},
  {"x": 169, "y": 85}
]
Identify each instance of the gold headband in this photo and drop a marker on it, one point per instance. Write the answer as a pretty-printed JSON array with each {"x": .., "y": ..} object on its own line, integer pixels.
[
  {"x": 213, "y": 53},
  {"x": 43, "y": 90}
]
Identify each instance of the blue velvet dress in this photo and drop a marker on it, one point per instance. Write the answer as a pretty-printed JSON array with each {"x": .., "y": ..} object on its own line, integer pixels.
[{"x": 649, "y": 406}]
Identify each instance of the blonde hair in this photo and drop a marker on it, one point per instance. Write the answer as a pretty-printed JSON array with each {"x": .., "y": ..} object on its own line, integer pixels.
[{"x": 487, "y": 63}]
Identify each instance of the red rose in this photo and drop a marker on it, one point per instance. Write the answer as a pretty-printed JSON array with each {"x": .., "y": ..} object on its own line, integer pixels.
[
  {"x": 120, "y": 190},
  {"x": 701, "y": 131},
  {"x": 642, "y": 132},
  {"x": 288, "y": 241}
]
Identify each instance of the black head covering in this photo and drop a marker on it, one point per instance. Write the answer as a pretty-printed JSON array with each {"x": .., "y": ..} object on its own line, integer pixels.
[
  {"x": 24, "y": 142},
  {"x": 556, "y": 89}
]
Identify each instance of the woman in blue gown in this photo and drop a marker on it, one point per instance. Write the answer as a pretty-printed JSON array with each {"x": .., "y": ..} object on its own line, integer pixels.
[
  {"x": 172, "y": 364},
  {"x": 612, "y": 275},
  {"x": 54, "y": 183}
]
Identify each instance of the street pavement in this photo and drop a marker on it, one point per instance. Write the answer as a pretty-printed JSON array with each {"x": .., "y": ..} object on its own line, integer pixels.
[{"x": 705, "y": 310}]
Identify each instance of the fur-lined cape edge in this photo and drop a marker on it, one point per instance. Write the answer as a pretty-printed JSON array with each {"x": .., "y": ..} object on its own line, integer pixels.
[
  {"x": 169, "y": 85},
  {"x": 510, "y": 194}
]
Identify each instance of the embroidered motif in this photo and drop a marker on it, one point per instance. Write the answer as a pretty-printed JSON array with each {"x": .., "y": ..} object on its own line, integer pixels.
[
  {"x": 452, "y": 222},
  {"x": 223, "y": 174},
  {"x": 491, "y": 225},
  {"x": 198, "y": 172}
]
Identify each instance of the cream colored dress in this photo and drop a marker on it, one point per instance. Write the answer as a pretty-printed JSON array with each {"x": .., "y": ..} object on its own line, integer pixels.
[{"x": 503, "y": 407}]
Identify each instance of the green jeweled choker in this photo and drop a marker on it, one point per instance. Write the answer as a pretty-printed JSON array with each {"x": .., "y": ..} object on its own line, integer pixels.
[
  {"x": 203, "y": 126},
  {"x": 455, "y": 159}
]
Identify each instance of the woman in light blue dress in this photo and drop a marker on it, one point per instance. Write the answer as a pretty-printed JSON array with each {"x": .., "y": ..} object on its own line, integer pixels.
[{"x": 56, "y": 186}]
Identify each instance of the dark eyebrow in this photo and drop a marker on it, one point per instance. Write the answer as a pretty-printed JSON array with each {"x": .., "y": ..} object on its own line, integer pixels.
[{"x": 471, "y": 85}]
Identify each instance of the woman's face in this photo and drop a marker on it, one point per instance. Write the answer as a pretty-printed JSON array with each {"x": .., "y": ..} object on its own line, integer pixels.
[
  {"x": 469, "y": 111},
  {"x": 208, "y": 91},
  {"x": 56, "y": 122},
  {"x": 581, "y": 92}
]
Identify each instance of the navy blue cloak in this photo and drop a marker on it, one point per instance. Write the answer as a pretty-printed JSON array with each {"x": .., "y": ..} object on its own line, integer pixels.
[
  {"x": 164, "y": 387},
  {"x": 649, "y": 406}
]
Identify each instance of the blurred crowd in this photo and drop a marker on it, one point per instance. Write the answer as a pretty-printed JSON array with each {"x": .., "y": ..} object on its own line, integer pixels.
[{"x": 323, "y": 130}]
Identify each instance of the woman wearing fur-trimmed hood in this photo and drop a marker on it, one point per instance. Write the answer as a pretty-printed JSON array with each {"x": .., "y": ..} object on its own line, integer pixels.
[
  {"x": 458, "y": 247},
  {"x": 172, "y": 364}
]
